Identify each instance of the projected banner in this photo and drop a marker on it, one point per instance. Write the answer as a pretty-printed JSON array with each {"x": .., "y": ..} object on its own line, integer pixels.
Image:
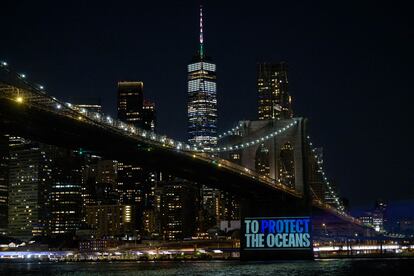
[{"x": 277, "y": 233}]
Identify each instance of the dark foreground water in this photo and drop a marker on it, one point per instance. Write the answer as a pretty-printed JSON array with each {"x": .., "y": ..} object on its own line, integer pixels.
[{"x": 370, "y": 267}]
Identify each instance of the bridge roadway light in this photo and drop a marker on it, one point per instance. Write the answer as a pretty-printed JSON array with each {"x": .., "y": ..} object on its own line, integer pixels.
[
  {"x": 19, "y": 99},
  {"x": 4, "y": 63},
  {"x": 22, "y": 76}
]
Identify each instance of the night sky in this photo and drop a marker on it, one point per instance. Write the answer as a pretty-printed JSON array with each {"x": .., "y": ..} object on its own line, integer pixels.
[{"x": 350, "y": 69}]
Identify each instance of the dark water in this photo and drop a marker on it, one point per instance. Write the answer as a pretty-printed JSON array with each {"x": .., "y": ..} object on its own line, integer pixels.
[{"x": 370, "y": 267}]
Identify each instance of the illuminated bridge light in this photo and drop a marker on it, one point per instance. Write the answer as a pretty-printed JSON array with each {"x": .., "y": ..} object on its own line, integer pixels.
[
  {"x": 22, "y": 76},
  {"x": 41, "y": 87},
  {"x": 19, "y": 99},
  {"x": 58, "y": 106},
  {"x": 3, "y": 63}
]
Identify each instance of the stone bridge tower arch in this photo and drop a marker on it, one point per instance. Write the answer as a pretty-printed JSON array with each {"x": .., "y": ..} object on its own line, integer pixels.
[{"x": 276, "y": 146}]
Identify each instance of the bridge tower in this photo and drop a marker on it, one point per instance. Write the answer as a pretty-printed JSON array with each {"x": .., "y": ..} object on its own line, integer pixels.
[{"x": 283, "y": 158}]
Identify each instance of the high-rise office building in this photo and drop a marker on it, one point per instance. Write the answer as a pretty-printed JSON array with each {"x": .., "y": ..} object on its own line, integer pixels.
[
  {"x": 30, "y": 179},
  {"x": 148, "y": 115},
  {"x": 202, "y": 119},
  {"x": 131, "y": 177},
  {"x": 379, "y": 218},
  {"x": 110, "y": 220},
  {"x": 130, "y": 101},
  {"x": 272, "y": 85},
  {"x": 4, "y": 181},
  {"x": 99, "y": 183},
  {"x": 178, "y": 210},
  {"x": 202, "y": 97},
  {"x": 65, "y": 192}
]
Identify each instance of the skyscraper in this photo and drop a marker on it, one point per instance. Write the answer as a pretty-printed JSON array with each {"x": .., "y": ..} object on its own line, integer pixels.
[
  {"x": 177, "y": 207},
  {"x": 30, "y": 177},
  {"x": 132, "y": 180},
  {"x": 272, "y": 86},
  {"x": 4, "y": 181},
  {"x": 202, "y": 98},
  {"x": 148, "y": 115},
  {"x": 202, "y": 116},
  {"x": 65, "y": 194},
  {"x": 130, "y": 100}
]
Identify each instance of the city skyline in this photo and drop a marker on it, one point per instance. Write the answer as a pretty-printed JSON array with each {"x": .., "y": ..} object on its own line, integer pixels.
[{"x": 324, "y": 129}]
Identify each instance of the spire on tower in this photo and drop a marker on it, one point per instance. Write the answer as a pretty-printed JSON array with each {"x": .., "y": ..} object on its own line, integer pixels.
[{"x": 201, "y": 32}]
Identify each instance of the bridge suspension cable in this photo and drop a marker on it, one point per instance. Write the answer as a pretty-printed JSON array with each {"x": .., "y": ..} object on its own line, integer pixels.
[
  {"x": 258, "y": 140},
  {"x": 325, "y": 179},
  {"x": 230, "y": 131}
]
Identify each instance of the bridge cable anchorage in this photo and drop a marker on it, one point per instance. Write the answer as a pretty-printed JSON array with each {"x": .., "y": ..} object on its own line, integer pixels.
[
  {"x": 338, "y": 203},
  {"x": 254, "y": 141}
]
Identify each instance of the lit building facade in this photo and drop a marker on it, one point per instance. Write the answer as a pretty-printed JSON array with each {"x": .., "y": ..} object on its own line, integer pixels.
[
  {"x": 148, "y": 116},
  {"x": 4, "y": 181},
  {"x": 274, "y": 101},
  {"x": 30, "y": 176},
  {"x": 65, "y": 192},
  {"x": 177, "y": 209},
  {"x": 110, "y": 220},
  {"x": 379, "y": 218},
  {"x": 131, "y": 178},
  {"x": 202, "y": 98},
  {"x": 202, "y": 120},
  {"x": 130, "y": 100}
]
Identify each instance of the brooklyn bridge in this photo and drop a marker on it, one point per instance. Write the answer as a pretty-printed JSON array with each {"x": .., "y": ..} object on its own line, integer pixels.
[{"x": 271, "y": 166}]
